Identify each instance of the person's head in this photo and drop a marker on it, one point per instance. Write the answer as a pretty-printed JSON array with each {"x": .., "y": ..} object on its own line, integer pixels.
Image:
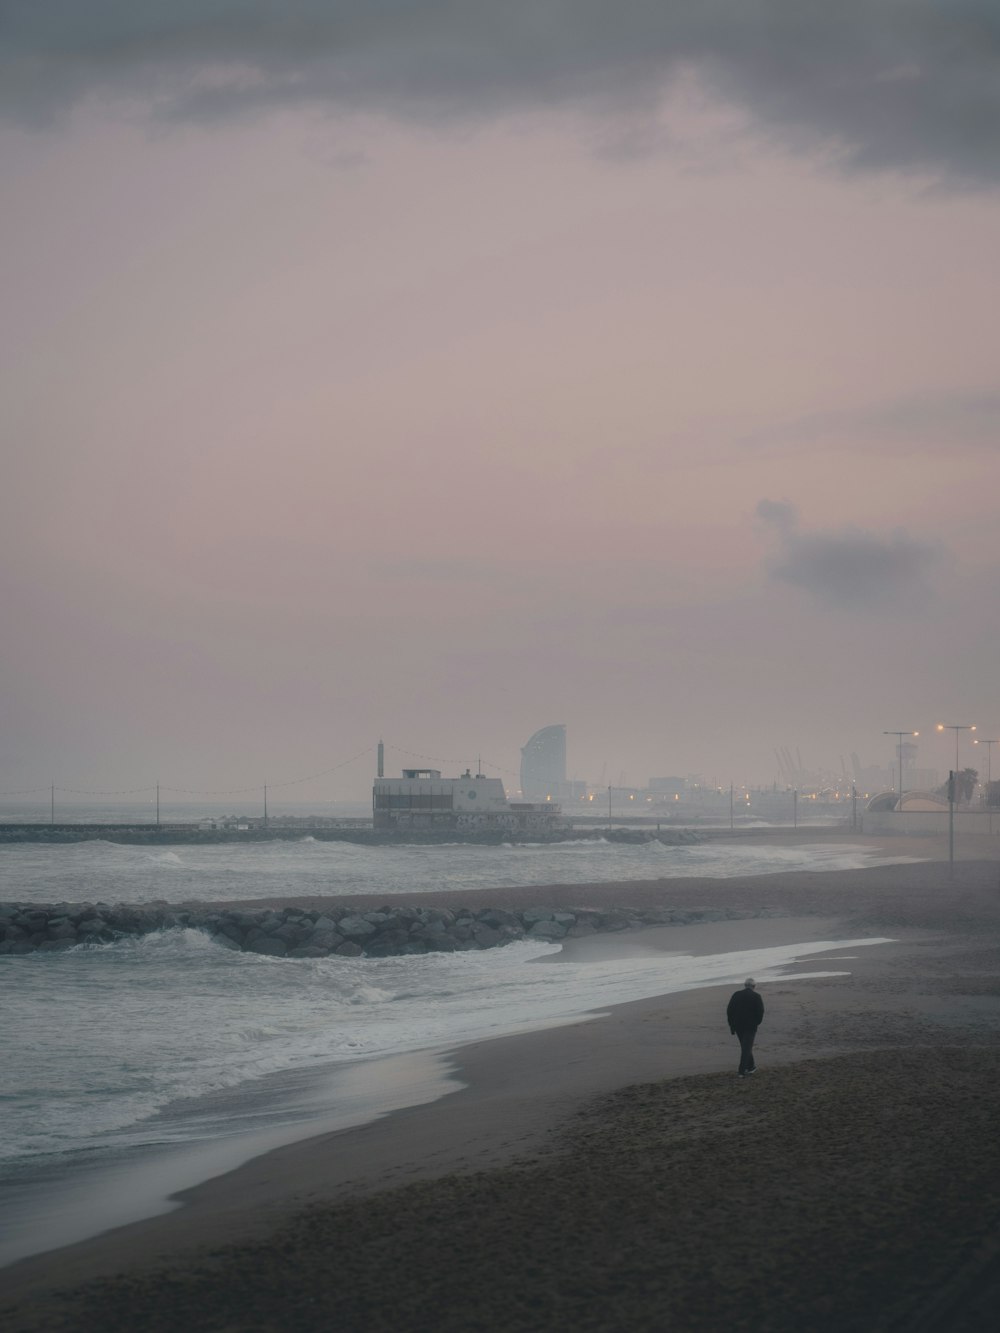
[{"x": 750, "y": 983}]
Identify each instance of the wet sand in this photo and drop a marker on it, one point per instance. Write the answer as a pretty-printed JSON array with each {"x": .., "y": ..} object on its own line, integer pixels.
[{"x": 615, "y": 1174}]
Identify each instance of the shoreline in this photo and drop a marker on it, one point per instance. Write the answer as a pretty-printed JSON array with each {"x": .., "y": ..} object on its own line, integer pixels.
[
  {"x": 522, "y": 1091},
  {"x": 292, "y": 1106},
  {"x": 150, "y": 1182}
]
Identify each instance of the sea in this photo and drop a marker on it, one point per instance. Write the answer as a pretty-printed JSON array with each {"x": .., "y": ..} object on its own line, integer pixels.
[{"x": 136, "y": 1069}]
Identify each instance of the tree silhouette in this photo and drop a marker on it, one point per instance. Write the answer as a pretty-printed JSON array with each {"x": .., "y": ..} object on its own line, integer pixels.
[{"x": 965, "y": 785}]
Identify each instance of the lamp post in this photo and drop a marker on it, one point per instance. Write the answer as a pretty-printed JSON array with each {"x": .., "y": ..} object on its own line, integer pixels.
[
  {"x": 989, "y": 772},
  {"x": 956, "y": 727},
  {"x": 899, "y": 735}
]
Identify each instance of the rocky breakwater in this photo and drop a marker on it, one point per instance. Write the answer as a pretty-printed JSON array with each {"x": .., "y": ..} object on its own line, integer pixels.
[{"x": 292, "y": 933}]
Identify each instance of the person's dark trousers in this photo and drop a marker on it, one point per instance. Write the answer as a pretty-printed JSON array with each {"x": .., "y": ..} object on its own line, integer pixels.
[{"x": 747, "y": 1064}]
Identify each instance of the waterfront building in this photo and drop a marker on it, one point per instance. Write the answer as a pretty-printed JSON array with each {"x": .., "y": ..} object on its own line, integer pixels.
[{"x": 423, "y": 800}]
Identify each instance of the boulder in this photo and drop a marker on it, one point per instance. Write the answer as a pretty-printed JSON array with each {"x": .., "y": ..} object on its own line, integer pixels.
[
  {"x": 246, "y": 920},
  {"x": 324, "y": 939},
  {"x": 377, "y": 919},
  {"x": 442, "y": 944},
  {"x": 61, "y": 929},
  {"x": 128, "y": 921},
  {"x": 293, "y": 933},
  {"x": 497, "y": 918},
  {"x": 356, "y": 927},
  {"x": 431, "y": 914},
  {"x": 267, "y": 944},
  {"x": 590, "y": 915},
  {"x": 486, "y": 937}
]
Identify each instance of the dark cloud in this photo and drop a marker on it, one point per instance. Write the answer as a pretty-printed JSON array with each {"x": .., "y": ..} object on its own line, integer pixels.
[
  {"x": 943, "y": 421},
  {"x": 778, "y": 514},
  {"x": 907, "y": 85},
  {"x": 851, "y": 569}
]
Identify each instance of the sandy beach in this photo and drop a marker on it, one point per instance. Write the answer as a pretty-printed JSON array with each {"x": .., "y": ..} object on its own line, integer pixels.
[{"x": 615, "y": 1174}]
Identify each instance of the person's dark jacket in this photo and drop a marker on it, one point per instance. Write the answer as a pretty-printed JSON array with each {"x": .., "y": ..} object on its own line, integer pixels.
[{"x": 745, "y": 1011}]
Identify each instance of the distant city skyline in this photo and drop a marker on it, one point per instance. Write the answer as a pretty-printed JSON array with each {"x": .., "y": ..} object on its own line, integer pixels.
[{"x": 350, "y": 780}]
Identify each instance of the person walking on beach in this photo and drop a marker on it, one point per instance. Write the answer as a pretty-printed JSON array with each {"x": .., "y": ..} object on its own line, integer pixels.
[{"x": 745, "y": 1013}]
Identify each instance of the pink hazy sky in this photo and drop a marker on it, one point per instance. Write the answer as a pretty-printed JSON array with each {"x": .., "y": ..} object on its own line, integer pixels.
[{"x": 609, "y": 390}]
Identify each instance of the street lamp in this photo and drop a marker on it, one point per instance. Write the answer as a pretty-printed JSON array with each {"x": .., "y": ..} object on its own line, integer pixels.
[
  {"x": 900, "y": 735},
  {"x": 956, "y": 728},
  {"x": 989, "y": 752}
]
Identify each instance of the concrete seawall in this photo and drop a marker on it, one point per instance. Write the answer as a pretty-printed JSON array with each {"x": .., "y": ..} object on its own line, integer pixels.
[{"x": 293, "y": 933}]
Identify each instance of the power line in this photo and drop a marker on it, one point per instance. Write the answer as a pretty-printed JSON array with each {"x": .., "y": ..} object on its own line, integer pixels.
[{"x": 98, "y": 791}]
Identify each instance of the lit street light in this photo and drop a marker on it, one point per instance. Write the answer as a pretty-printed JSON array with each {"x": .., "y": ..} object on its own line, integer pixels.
[
  {"x": 900, "y": 735},
  {"x": 956, "y": 728}
]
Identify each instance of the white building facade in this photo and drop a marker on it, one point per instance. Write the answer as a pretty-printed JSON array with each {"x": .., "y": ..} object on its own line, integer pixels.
[{"x": 423, "y": 800}]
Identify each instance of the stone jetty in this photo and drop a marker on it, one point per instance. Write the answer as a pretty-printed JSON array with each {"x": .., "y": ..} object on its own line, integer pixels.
[{"x": 294, "y": 933}]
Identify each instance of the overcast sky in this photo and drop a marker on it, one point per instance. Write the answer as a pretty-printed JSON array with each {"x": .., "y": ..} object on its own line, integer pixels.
[{"x": 440, "y": 371}]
